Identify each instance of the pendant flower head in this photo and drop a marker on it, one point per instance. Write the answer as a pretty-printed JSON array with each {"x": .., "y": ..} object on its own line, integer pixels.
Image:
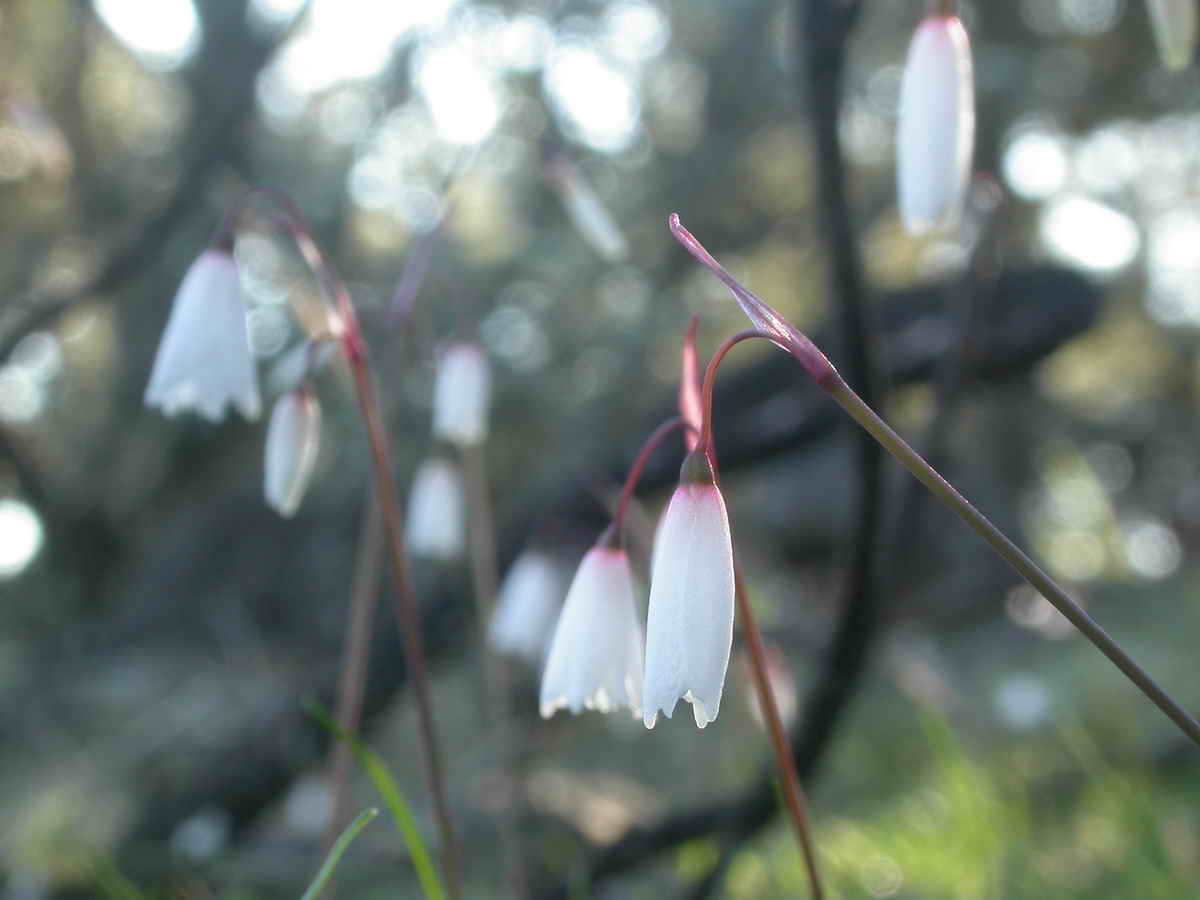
[
  {"x": 1174, "y": 23},
  {"x": 937, "y": 125},
  {"x": 595, "y": 657},
  {"x": 461, "y": 394},
  {"x": 689, "y": 629},
  {"x": 523, "y": 622},
  {"x": 204, "y": 360},
  {"x": 293, "y": 438},
  {"x": 436, "y": 527}
]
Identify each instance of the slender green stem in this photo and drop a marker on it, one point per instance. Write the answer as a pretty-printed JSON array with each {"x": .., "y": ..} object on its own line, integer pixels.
[
  {"x": 1009, "y": 552},
  {"x": 793, "y": 793},
  {"x": 335, "y": 853}
]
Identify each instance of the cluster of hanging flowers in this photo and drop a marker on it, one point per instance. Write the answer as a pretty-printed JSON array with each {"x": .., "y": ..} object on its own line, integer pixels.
[
  {"x": 205, "y": 364},
  {"x": 437, "y": 518}
]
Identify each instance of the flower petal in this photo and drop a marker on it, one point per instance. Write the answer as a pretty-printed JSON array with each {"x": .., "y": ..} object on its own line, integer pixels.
[
  {"x": 204, "y": 359},
  {"x": 435, "y": 511},
  {"x": 523, "y": 622},
  {"x": 460, "y": 401},
  {"x": 937, "y": 125},
  {"x": 1174, "y": 23},
  {"x": 293, "y": 438},
  {"x": 595, "y": 657},
  {"x": 689, "y": 630}
]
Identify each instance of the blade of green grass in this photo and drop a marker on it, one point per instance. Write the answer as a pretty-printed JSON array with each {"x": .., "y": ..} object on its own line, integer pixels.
[
  {"x": 393, "y": 799},
  {"x": 335, "y": 854}
]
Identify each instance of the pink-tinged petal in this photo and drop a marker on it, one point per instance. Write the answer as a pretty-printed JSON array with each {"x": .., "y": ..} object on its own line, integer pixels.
[
  {"x": 293, "y": 438},
  {"x": 461, "y": 396},
  {"x": 204, "y": 360},
  {"x": 436, "y": 525},
  {"x": 937, "y": 125},
  {"x": 691, "y": 407},
  {"x": 1174, "y": 23},
  {"x": 527, "y": 606},
  {"x": 689, "y": 630},
  {"x": 595, "y": 659}
]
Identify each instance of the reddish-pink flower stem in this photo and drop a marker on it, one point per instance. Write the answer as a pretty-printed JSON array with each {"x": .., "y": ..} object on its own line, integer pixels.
[
  {"x": 710, "y": 377},
  {"x": 354, "y": 349},
  {"x": 639, "y": 463},
  {"x": 793, "y": 793}
]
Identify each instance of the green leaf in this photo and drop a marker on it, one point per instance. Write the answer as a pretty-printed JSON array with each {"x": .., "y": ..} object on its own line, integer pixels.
[
  {"x": 335, "y": 854},
  {"x": 393, "y": 799}
]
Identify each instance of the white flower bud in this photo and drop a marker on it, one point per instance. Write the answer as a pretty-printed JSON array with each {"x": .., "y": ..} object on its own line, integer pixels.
[
  {"x": 689, "y": 628},
  {"x": 1174, "y": 23},
  {"x": 204, "y": 359},
  {"x": 293, "y": 438},
  {"x": 461, "y": 396},
  {"x": 595, "y": 658},
  {"x": 435, "y": 511},
  {"x": 937, "y": 125}
]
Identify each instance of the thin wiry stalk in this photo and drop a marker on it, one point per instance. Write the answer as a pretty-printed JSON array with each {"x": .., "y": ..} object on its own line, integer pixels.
[
  {"x": 1010, "y": 553},
  {"x": 356, "y": 648},
  {"x": 493, "y": 671},
  {"x": 407, "y": 614},
  {"x": 793, "y": 793}
]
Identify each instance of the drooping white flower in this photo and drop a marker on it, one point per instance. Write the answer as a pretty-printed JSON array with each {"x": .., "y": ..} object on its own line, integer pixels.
[
  {"x": 937, "y": 125},
  {"x": 689, "y": 628},
  {"x": 435, "y": 511},
  {"x": 595, "y": 659},
  {"x": 204, "y": 359},
  {"x": 293, "y": 438},
  {"x": 528, "y": 602},
  {"x": 1174, "y": 23},
  {"x": 461, "y": 395}
]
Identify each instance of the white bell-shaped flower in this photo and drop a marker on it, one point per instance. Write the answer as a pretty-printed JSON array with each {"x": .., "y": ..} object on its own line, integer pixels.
[
  {"x": 937, "y": 125},
  {"x": 526, "y": 607},
  {"x": 595, "y": 657},
  {"x": 1174, "y": 23},
  {"x": 689, "y": 629},
  {"x": 436, "y": 527},
  {"x": 461, "y": 396},
  {"x": 293, "y": 437},
  {"x": 204, "y": 359}
]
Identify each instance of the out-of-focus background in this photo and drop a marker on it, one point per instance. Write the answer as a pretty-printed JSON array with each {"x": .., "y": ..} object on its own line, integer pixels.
[{"x": 161, "y": 627}]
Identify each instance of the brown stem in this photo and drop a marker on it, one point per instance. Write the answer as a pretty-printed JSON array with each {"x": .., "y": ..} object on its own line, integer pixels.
[
  {"x": 355, "y": 654},
  {"x": 407, "y": 614},
  {"x": 793, "y": 793},
  {"x": 354, "y": 349},
  {"x": 1010, "y": 553}
]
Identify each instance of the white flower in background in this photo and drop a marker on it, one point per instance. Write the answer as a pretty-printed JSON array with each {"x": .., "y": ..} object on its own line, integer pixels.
[
  {"x": 595, "y": 657},
  {"x": 1174, "y": 23},
  {"x": 293, "y": 438},
  {"x": 528, "y": 602},
  {"x": 689, "y": 629},
  {"x": 204, "y": 359},
  {"x": 937, "y": 125},
  {"x": 435, "y": 511},
  {"x": 587, "y": 212},
  {"x": 461, "y": 395}
]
